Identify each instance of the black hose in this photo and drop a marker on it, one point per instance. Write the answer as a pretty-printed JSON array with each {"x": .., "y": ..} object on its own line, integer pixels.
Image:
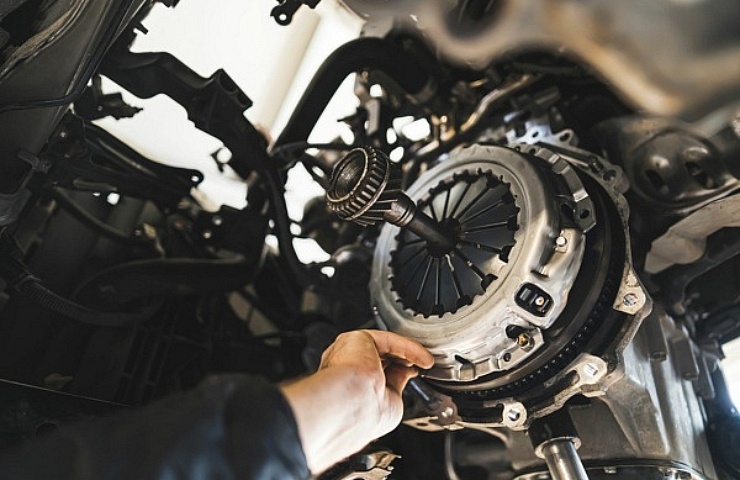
[
  {"x": 33, "y": 289},
  {"x": 299, "y": 271},
  {"x": 360, "y": 54}
]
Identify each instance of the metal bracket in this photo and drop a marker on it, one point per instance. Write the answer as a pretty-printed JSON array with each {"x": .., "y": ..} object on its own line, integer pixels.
[{"x": 283, "y": 13}]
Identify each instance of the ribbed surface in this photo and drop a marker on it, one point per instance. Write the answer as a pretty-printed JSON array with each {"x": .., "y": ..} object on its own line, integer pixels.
[
  {"x": 363, "y": 186},
  {"x": 480, "y": 209}
]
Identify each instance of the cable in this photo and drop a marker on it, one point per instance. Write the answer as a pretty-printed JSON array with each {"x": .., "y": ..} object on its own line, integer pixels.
[
  {"x": 282, "y": 229},
  {"x": 33, "y": 289}
]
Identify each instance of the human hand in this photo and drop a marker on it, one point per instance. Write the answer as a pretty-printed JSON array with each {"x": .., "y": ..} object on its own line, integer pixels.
[{"x": 355, "y": 396}]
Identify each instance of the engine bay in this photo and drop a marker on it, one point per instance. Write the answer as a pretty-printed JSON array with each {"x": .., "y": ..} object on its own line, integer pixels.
[{"x": 562, "y": 235}]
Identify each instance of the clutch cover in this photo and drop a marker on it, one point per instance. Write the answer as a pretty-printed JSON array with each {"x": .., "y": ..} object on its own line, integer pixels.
[{"x": 519, "y": 223}]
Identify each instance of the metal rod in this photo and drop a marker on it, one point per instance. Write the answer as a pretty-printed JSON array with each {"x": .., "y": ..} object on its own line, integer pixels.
[
  {"x": 562, "y": 459},
  {"x": 405, "y": 214}
]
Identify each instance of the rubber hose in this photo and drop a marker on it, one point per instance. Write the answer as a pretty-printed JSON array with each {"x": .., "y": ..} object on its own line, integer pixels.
[
  {"x": 360, "y": 54},
  {"x": 35, "y": 291}
]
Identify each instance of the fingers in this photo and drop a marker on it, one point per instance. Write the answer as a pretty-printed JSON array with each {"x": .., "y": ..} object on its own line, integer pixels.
[
  {"x": 400, "y": 347},
  {"x": 397, "y": 376}
]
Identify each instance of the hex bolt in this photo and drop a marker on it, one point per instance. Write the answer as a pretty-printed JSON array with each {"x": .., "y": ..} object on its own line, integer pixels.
[
  {"x": 561, "y": 242},
  {"x": 525, "y": 341}
]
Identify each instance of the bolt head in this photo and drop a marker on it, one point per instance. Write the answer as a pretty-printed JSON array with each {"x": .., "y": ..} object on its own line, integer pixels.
[
  {"x": 590, "y": 369},
  {"x": 514, "y": 414},
  {"x": 630, "y": 300},
  {"x": 524, "y": 340}
]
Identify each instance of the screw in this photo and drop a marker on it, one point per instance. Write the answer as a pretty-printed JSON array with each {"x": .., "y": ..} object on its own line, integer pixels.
[
  {"x": 561, "y": 242},
  {"x": 630, "y": 300},
  {"x": 217, "y": 221},
  {"x": 590, "y": 369},
  {"x": 207, "y": 234},
  {"x": 539, "y": 301},
  {"x": 447, "y": 412}
]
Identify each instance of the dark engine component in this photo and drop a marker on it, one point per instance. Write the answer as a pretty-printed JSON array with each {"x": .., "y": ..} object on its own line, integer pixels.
[{"x": 571, "y": 261}]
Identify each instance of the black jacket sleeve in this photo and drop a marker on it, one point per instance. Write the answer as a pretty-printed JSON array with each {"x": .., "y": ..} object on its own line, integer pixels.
[{"x": 230, "y": 427}]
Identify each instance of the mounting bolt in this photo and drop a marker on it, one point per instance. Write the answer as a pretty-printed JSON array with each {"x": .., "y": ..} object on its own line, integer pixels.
[
  {"x": 630, "y": 300},
  {"x": 525, "y": 341},
  {"x": 561, "y": 242},
  {"x": 590, "y": 369}
]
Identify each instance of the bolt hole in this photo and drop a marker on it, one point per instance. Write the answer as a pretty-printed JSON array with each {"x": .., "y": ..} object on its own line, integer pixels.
[
  {"x": 700, "y": 175},
  {"x": 567, "y": 211},
  {"x": 584, "y": 214},
  {"x": 657, "y": 182},
  {"x": 513, "y": 331}
]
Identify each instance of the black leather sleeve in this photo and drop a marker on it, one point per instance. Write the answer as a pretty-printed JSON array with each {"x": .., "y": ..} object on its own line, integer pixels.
[{"x": 230, "y": 427}]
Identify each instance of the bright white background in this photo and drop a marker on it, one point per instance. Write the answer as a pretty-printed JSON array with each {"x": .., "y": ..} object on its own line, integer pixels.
[{"x": 272, "y": 65}]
